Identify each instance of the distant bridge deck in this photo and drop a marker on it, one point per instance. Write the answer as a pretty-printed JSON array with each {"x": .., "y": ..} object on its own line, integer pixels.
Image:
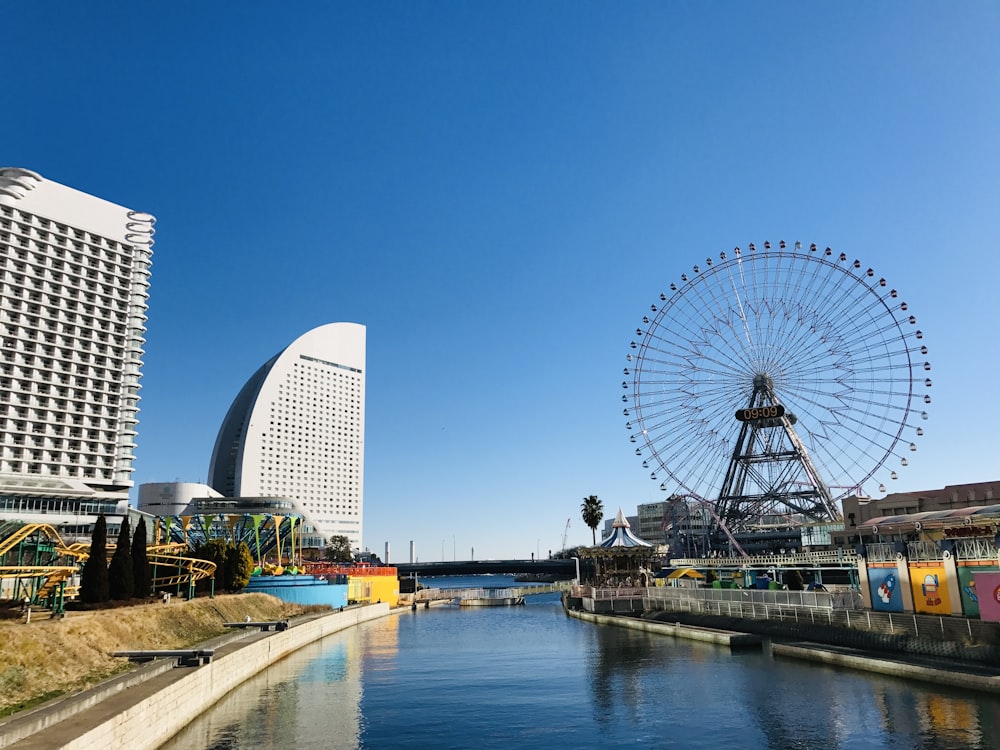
[
  {"x": 488, "y": 567},
  {"x": 510, "y": 592}
]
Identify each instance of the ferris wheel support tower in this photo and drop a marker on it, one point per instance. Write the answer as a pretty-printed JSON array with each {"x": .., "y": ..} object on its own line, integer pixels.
[{"x": 770, "y": 472}]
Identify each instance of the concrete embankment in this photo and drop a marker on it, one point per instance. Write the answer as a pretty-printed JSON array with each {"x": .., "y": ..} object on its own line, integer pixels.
[
  {"x": 963, "y": 676},
  {"x": 674, "y": 630},
  {"x": 144, "y": 708}
]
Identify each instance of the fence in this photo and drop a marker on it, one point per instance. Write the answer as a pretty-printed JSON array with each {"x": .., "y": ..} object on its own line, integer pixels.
[
  {"x": 841, "y": 609},
  {"x": 764, "y": 597},
  {"x": 845, "y": 557}
]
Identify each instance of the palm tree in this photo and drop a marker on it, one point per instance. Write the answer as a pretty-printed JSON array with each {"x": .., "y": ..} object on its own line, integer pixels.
[{"x": 593, "y": 513}]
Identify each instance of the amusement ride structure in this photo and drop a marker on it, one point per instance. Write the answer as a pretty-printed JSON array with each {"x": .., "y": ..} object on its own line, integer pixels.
[
  {"x": 773, "y": 382},
  {"x": 46, "y": 569}
]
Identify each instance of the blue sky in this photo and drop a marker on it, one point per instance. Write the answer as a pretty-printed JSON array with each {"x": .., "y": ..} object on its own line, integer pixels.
[{"x": 498, "y": 191}]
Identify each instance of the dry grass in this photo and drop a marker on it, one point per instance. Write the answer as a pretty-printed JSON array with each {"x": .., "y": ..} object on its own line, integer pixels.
[{"x": 52, "y": 657}]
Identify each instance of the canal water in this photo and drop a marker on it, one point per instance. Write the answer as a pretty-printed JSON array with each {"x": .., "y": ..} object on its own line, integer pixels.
[{"x": 530, "y": 677}]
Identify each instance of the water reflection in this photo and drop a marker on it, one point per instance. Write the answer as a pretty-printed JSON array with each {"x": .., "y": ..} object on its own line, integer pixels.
[
  {"x": 267, "y": 711},
  {"x": 531, "y": 678},
  {"x": 615, "y": 673},
  {"x": 709, "y": 697}
]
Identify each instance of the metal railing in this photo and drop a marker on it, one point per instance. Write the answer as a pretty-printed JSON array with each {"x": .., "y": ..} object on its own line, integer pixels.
[
  {"x": 880, "y": 552},
  {"x": 692, "y": 599},
  {"x": 932, "y": 627},
  {"x": 923, "y": 551},
  {"x": 795, "y": 559},
  {"x": 619, "y": 592},
  {"x": 976, "y": 548},
  {"x": 763, "y": 597}
]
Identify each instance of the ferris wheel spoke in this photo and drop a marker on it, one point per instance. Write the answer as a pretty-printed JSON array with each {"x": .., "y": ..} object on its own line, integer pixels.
[{"x": 694, "y": 343}]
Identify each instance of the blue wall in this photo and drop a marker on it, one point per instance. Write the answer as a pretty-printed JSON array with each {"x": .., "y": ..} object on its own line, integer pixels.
[{"x": 300, "y": 589}]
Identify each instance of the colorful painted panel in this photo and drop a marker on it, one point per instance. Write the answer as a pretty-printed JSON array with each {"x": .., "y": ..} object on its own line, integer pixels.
[
  {"x": 884, "y": 583},
  {"x": 988, "y": 591},
  {"x": 967, "y": 584},
  {"x": 930, "y": 592}
]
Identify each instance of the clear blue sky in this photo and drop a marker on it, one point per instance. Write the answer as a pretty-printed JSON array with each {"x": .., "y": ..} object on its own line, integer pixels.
[{"x": 498, "y": 191}]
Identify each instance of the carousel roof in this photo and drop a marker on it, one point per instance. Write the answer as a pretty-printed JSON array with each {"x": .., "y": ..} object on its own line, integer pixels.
[{"x": 621, "y": 534}]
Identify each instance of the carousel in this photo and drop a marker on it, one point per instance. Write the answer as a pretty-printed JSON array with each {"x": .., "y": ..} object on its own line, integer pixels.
[{"x": 623, "y": 559}]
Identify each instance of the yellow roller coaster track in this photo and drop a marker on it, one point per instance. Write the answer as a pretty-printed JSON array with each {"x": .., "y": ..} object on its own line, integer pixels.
[
  {"x": 163, "y": 556},
  {"x": 6, "y": 545}
]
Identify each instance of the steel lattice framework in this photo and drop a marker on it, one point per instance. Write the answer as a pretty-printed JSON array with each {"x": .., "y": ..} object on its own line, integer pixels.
[{"x": 775, "y": 382}]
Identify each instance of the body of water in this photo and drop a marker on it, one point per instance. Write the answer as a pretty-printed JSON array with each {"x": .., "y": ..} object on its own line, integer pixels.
[{"x": 530, "y": 677}]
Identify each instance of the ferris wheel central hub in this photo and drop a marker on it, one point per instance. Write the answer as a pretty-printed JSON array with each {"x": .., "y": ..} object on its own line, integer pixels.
[{"x": 763, "y": 382}]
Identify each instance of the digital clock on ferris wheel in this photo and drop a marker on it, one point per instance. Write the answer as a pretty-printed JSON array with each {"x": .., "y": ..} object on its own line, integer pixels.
[{"x": 775, "y": 411}]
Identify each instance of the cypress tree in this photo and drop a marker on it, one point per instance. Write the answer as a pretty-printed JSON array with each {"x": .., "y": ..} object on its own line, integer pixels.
[
  {"x": 120, "y": 583},
  {"x": 94, "y": 579},
  {"x": 142, "y": 577}
]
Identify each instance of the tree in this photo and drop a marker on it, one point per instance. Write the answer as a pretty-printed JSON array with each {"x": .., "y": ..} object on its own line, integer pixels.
[
  {"x": 239, "y": 567},
  {"x": 214, "y": 550},
  {"x": 593, "y": 514},
  {"x": 339, "y": 549},
  {"x": 94, "y": 579},
  {"x": 142, "y": 576},
  {"x": 120, "y": 582}
]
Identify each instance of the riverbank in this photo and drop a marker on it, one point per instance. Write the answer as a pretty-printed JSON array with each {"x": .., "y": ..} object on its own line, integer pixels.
[
  {"x": 47, "y": 657},
  {"x": 728, "y": 638},
  {"x": 144, "y": 707},
  {"x": 967, "y": 676},
  {"x": 878, "y": 653}
]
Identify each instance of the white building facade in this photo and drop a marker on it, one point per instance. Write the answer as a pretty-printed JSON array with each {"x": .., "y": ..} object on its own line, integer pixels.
[
  {"x": 74, "y": 280},
  {"x": 296, "y": 430}
]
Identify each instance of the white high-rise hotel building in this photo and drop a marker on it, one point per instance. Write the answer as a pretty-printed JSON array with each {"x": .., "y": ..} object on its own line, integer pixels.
[
  {"x": 74, "y": 279},
  {"x": 296, "y": 430}
]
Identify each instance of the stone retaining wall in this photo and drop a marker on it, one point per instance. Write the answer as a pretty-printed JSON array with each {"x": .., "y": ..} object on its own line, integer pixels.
[
  {"x": 676, "y": 630},
  {"x": 887, "y": 643},
  {"x": 150, "y": 723}
]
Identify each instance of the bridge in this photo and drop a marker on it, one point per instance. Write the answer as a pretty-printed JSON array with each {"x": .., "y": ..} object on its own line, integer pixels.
[
  {"x": 567, "y": 568},
  {"x": 511, "y": 592}
]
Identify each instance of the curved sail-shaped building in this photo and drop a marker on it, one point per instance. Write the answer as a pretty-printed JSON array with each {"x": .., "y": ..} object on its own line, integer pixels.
[{"x": 297, "y": 429}]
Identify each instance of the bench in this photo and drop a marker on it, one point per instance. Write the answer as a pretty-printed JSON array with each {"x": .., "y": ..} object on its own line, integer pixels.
[
  {"x": 191, "y": 657},
  {"x": 263, "y": 624}
]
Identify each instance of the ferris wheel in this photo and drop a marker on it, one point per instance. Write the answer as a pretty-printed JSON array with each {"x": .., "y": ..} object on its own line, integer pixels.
[{"x": 775, "y": 382}]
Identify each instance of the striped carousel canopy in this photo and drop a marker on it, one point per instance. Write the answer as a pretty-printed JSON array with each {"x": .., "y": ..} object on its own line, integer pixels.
[{"x": 621, "y": 534}]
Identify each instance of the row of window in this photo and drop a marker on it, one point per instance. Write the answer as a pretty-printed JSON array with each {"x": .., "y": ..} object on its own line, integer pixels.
[
  {"x": 68, "y": 274},
  {"x": 55, "y": 470},
  {"x": 29, "y": 224}
]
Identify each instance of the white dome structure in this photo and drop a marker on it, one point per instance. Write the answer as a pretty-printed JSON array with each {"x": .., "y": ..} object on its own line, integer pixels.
[{"x": 296, "y": 430}]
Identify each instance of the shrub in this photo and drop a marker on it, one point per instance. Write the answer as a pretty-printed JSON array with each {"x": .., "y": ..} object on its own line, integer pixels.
[{"x": 239, "y": 566}]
